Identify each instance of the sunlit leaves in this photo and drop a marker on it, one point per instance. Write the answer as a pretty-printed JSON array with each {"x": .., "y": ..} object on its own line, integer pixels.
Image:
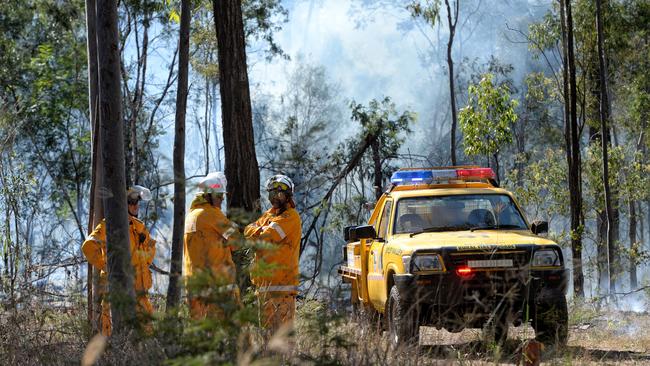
[
  {"x": 487, "y": 119},
  {"x": 429, "y": 10}
]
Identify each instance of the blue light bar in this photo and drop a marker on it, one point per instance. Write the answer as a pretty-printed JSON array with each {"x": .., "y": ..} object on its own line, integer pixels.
[{"x": 412, "y": 177}]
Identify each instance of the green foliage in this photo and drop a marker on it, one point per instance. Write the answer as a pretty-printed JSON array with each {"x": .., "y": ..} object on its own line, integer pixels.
[
  {"x": 545, "y": 34},
  {"x": 486, "y": 122},
  {"x": 380, "y": 120},
  {"x": 428, "y": 10},
  {"x": 627, "y": 172},
  {"x": 543, "y": 191}
]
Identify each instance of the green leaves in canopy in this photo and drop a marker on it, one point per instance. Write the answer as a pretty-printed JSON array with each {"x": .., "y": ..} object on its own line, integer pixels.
[
  {"x": 429, "y": 10},
  {"x": 487, "y": 119}
]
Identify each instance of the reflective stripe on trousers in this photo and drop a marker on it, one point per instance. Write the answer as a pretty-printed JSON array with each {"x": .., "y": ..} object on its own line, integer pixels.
[{"x": 277, "y": 289}]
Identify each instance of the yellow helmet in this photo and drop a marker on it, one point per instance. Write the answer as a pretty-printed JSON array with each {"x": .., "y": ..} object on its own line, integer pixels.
[{"x": 279, "y": 182}]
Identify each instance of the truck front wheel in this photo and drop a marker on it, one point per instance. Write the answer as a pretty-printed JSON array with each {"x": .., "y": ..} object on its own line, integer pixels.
[
  {"x": 551, "y": 320},
  {"x": 403, "y": 327}
]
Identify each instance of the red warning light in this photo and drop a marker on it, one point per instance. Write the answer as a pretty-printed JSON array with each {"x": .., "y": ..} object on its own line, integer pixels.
[
  {"x": 464, "y": 271},
  {"x": 476, "y": 173}
]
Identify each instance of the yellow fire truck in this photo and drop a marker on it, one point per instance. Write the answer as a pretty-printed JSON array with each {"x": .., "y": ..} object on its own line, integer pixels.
[{"x": 448, "y": 248}]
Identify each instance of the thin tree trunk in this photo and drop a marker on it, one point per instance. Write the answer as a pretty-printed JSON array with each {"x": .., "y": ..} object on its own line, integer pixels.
[
  {"x": 206, "y": 120},
  {"x": 120, "y": 271},
  {"x": 133, "y": 165},
  {"x": 376, "y": 158},
  {"x": 496, "y": 166},
  {"x": 91, "y": 31},
  {"x": 575, "y": 173},
  {"x": 213, "y": 118},
  {"x": 450, "y": 64},
  {"x": 604, "y": 119},
  {"x": 633, "y": 245},
  {"x": 241, "y": 166},
  {"x": 173, "y": 290},
  {"x": 595, "y": 138}
]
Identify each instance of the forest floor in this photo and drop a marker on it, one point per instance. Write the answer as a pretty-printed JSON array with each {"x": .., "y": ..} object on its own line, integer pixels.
[
  {"x": 611, "y": 337},
  {"x": 596, "y": 337}
]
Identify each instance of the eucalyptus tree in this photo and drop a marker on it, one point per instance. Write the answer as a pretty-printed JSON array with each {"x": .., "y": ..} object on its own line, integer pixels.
[
  {"x": 120, "y": 276},
  {"x": 173, "y": 290},
  {"x": 486, "y": 121}
]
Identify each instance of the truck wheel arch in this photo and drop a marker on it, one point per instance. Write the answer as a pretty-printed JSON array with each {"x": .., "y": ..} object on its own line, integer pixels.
[{"x": 390, "y": 281}]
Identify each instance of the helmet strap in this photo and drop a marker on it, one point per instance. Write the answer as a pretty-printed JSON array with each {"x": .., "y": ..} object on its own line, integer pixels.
[{"x": 208, "y": 197}]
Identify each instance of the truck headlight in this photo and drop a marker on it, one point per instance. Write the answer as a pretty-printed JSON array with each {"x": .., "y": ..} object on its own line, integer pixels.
[
  {"x": 406, "y": 261},
  {"x": 546, "y": 258},
  {"x": 427, "y": 263}
]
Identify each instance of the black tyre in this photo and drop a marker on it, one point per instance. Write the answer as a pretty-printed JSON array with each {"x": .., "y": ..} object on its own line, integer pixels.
[
  {"x": 402, "y": 319},
  {"x": 551, "y": 321}
]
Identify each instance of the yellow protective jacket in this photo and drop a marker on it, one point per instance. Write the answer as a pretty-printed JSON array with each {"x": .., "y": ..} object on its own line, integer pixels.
[
  {"x": 206, "y": 231},
  {"x": 143, "y": 251},
  {"x": 284, "y": 230}
]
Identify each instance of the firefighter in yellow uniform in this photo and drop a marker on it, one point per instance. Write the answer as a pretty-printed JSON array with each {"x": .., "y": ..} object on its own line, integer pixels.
[
  {"x": 277, "y": 287},
  {"x": 143, "y": 251},
  {"x": 206, "y": 250}
]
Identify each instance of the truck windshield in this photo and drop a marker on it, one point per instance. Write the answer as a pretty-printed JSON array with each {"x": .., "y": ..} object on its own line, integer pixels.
[{"x": 457, "y": 212}]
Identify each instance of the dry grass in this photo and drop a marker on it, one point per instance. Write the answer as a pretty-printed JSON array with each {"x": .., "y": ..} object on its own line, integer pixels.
[{"x": 59, "y": 337}]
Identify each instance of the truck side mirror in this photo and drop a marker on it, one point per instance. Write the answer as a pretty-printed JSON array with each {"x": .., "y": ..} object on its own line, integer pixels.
[
  {"x": 362, "y": 232},
  {"x": 539, "y": 227}
]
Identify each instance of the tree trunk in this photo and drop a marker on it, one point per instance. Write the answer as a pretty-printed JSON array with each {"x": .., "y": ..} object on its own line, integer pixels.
[
  {"x": 496, "y": 166},
  {"x": 575, "y": 173},
  {"x": 213, "y": 118},
  {"x": 120, "y": 271},
  {"x": 604, "y": 119},
  {"x": 633, "y": 245},
  {"x": 206, "y": 120},
  {"x": 450, "y": 64},
  {"x": 91, "y": 22},
  {"x": 241, "y": 167},
  {"x": 173, "y": 290},
  {"x": 376, "y": 158},
  {"x": 595, "y": 138}
]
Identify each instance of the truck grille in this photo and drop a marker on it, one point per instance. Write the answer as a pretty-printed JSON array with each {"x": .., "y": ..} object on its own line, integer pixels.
[{"x": 520, "y": 258}]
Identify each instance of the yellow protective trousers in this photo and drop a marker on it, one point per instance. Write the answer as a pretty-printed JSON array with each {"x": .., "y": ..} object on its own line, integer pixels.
[
  {"x": 277, "y": 310},
  {"x": 143, "y": 308}
]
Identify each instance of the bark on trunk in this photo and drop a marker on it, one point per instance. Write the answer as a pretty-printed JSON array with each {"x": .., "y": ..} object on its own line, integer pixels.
[
  {"x": 376, "y": 158},
  {"x": 173, "y": 290},
  {"x": 595, "y": 137},
  {"x": 575, "y": 173},
  {"x": 120, "y": 272},
  {"x": 633, "y": 244},
  {"x": 450, "y": 64},
  {"x": 604, "y": 119},
  {"x": 91, "y": 22},
  {"x": 241, "y": 166}
]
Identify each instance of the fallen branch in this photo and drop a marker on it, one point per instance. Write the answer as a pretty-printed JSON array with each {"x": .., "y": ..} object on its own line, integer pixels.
[
  {"x": 633, "y": 291},
  {"x": 348, "y": 168}
]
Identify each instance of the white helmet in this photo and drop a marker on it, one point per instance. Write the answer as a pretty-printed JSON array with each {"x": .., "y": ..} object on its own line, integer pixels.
[
  {"x": 214, "y": 182},
  {"x": 279, "y": 181},
  {"x": 137, "y": 193}
]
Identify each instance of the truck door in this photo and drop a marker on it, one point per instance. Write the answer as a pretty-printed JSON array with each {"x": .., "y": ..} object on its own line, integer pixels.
[{"x": 376, "y": 280}]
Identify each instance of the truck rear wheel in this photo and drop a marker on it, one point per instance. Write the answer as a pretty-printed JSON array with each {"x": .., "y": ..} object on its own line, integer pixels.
[
  {"x": 403, "y": 327},
  {"x": 551, "y": 321}
]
